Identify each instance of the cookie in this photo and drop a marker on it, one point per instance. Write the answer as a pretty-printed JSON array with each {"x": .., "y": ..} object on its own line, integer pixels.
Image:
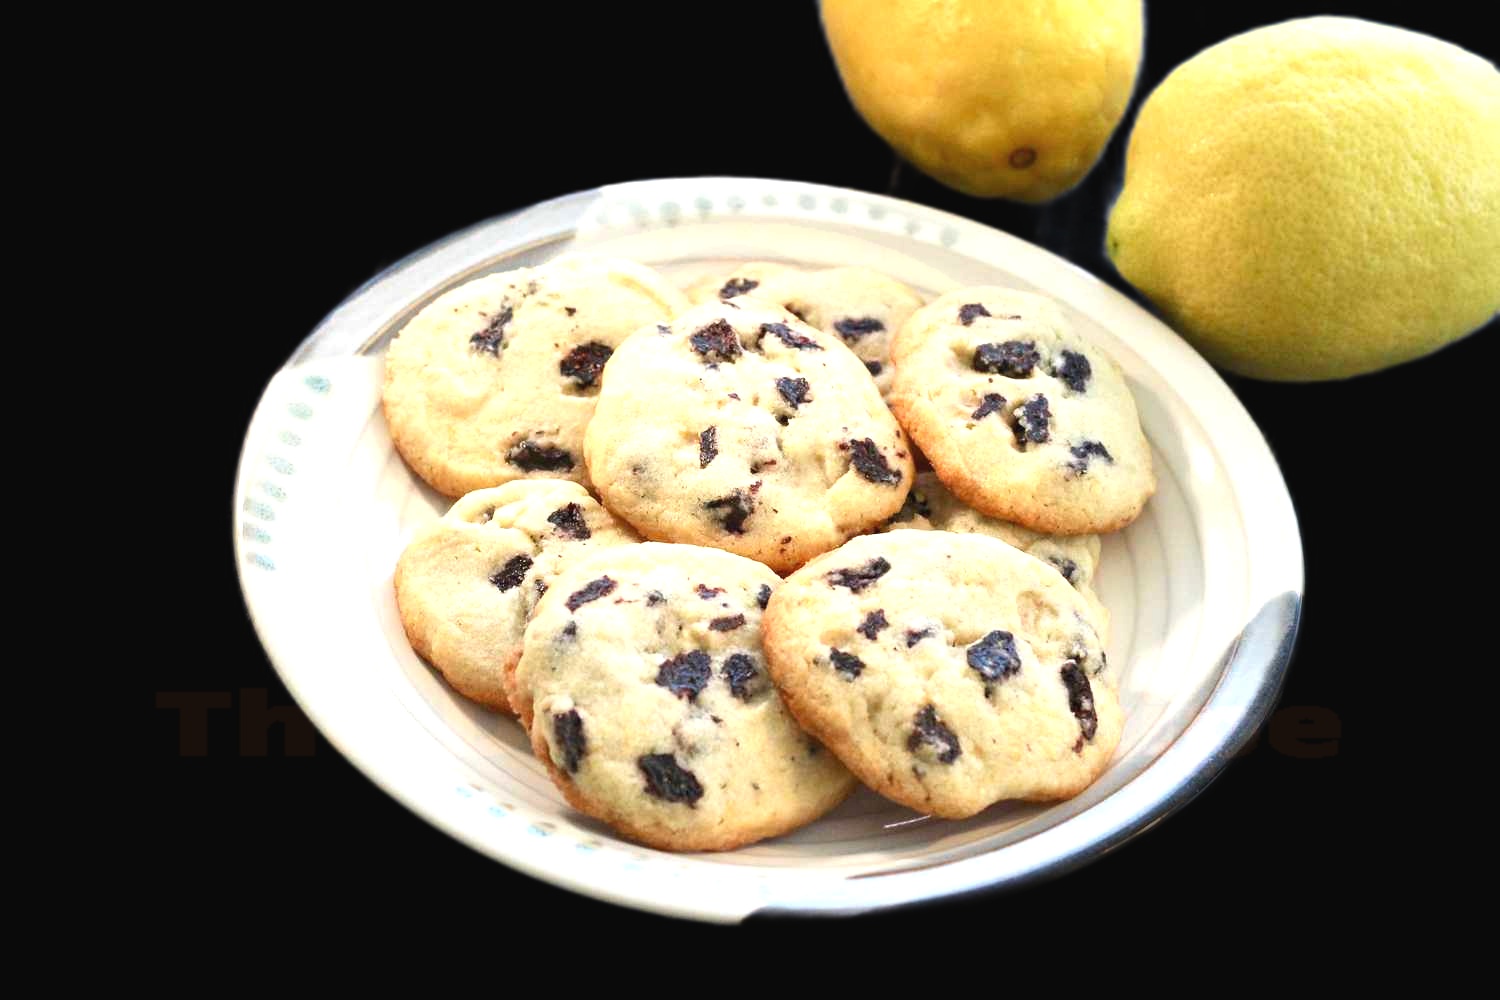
[
  {"x": 864, "y": 308},
  {"x": 947, "y": 671},
  {"x": 496, "y": 379},
  {"x": 929, "y": 506},
  {"x": 468, "y": 581},
  {"x": 740, "y": 427},
  {"x": 1022, "y": 418},
  {"x": 644, "y": 689}
]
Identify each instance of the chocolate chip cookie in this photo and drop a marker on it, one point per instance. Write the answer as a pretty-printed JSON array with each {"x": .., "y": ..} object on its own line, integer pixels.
[
  {"x": 467, "y": 582},
  {"x": 863, "y": 308},
  {"x": 930, "y": 506},
  {"x": 644, "y": 689},
  {"x": 740, "y": 427},
  {"x": 946, "y": 671},
  {"x": 496, "y": 379},
  {"x": 1021, "y": 417}
]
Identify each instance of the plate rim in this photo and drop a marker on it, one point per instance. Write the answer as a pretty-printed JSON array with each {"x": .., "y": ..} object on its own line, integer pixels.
[{"x": 1255, "y": 666}]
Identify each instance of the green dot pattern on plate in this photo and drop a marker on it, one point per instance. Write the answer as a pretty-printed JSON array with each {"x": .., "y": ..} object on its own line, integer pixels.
[{"x": 257, "y": 509}]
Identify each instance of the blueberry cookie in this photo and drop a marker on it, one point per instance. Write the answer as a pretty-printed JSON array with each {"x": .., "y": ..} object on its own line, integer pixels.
[
  {"x": 1021, "y": 418},
  {"x": 496, "y": 379},
  {"x": 864, "y": 308},
  {"x": 645, "y": 692},
  {"x": 929, "y": 506},
  {"x": 468, "y": 581},
  {"x": 946, "y": 671},
  {"x": 741, "y": 427}
]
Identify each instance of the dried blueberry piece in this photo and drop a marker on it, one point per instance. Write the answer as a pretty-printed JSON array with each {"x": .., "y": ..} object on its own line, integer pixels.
[
  {"x": 716, "y": 342},
  {"x": 875, "y": 367},
  {"x": 763, "y": 596},
  {"x": 567, "y": 729},
  {"x": 873, "y": 623},
  {"x": 727, "y": 624},
  {"x": 583, "y": 364},
  {"x": 569, "y": 521},
  {"x": 735, "y": 510},
  {"x": 790, "y": 337},
  {"x": 991, "y": 403},
  {"x": 737, "y": 286},
  {"x": 995, "y": 656},
  {"x": 1080, "y": 701},
  {"x": 601, "y": 587},
  {"x": 570, "y": 630},
  {"x": 915, "y": 505},
  {"x": 928, "y": 731},
  {"x": 741, "y": 673},
  {"x": 1033, "y": 420},
  {"x": 685, "y": 674},
  {"x": 793, "y": 390},
  {"x": 1074, "y": 370},
  {"x": 512, "y": 573},
  {"x": 535, "y": 457},
  {"x": 871, "y": 464},
  {"x": 915, "y": 635},
  {"x": 654, "y": 598},
  {"x": 488, "y": 340},
  {"x": 853, "y": 329},
  {"x": 666, "y": 779},
  {"x": 857, "y": 578},
  {"x": 706, "y": 592},
  {"x": 969, "y": 313},
  {"x": 1086, "y": 452},
  {"x": 1067, "y": 567},
  {"x": 708, "y": 446},
  {"x": 846, "y": 663},
  {"x": 1013, "y": 359}
]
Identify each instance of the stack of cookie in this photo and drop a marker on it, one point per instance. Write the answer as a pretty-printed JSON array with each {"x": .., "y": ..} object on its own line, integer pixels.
[{"x": 936, "y": 635}]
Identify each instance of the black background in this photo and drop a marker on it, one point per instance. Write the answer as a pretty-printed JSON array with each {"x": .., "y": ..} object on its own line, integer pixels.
[{"x": 305, "y": 158}]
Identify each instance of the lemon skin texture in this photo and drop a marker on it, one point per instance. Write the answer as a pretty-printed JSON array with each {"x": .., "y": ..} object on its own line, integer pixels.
[
  {"x": 1317, "y": 199},
  {"x": 1009, "y": 100}
]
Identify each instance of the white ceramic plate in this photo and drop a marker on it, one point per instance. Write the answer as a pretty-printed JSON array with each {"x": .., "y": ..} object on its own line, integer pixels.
[{"x": 1204, "y": 589}]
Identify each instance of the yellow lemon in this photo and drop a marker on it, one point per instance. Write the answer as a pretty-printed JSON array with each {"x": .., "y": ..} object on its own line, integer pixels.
[
  {"x": 1317, "y": 199},
  {"x": 1009, "y": 100}
]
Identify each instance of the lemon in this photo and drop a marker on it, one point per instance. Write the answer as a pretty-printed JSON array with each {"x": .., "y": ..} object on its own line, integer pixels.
[
  {"x": 1317, "y": 199},
  {"x": 1012, "y": 100}
]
